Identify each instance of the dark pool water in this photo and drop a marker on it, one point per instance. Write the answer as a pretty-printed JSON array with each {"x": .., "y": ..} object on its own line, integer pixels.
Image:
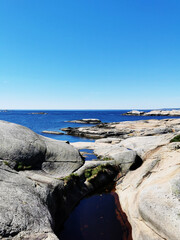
[{"x": 97, "y": 217}]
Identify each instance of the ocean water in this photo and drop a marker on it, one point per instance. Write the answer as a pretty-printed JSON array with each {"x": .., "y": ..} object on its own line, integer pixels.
[{"x": 55, "y": 120}]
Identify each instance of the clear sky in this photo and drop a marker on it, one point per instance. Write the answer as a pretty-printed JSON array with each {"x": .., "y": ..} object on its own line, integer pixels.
[{"x": 89, "y": 54}]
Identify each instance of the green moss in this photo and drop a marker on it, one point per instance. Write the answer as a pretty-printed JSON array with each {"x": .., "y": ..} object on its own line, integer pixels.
[
  {"x": 88, "y": 173},
  {"x": 176, "y": 139},
  {"x": 107, "y": 159},
  {"x": 6, "y": 163},
  {"x": 20, "y": 166},
  {"x": 93, "y": 172},
  {"x": 72, "y": 176}
]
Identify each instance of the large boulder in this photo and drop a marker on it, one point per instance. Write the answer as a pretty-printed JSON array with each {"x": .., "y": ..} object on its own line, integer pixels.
[
  {"x": 21, "y": 148},
  {"x": 19, "y": 144},
  {"x": 120, "y": 156},
  {"x": 61, "y": 158}
]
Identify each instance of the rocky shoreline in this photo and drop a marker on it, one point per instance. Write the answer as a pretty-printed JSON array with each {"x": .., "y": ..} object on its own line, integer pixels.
[
  {"x": 149, "y": 184},
  {"x": 125, "y": 130},
  {"x": 41, "y": 179},
  {"x": 171, "y": 113}
]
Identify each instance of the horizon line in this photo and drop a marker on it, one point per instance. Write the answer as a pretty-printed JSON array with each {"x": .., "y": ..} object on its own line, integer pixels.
[{"x": 84, "y": 109}]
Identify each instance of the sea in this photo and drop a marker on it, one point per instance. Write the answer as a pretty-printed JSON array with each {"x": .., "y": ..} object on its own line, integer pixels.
[
  {"x": 97, "y": 216},
  {"x": 55, "y": 120}
]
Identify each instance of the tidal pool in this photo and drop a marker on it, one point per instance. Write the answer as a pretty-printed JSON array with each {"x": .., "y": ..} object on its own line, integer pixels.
[{"x": 97, "y": 217}]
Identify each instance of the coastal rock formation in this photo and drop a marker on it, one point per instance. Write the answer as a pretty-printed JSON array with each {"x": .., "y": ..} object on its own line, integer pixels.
[
  {"x": 42, "y": 179},
  {"x": 21, "y": 149},
  {"x": 123, "y": 130},
  {"x": 143, "y": 145},
  {"x": 126, "y": 154},
  {"x": 38, "y": 188},
  {"x": 149, "y": 189},
  {"x": 134, "y": 113},
  {"x": 150, "y": 195},
  {"x": 87, "y": 121},
  {"x": 154, "y": 113}
]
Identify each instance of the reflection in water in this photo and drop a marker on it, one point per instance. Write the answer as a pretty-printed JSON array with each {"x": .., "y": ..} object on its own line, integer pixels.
[{"x": 97, "y": 217}]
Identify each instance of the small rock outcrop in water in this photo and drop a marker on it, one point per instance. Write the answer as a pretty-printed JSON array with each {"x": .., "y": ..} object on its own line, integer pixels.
[
  {"x": 154, "y": 113},
  {"x": 87, "y": 121},
  {"x": 134, "y": 113},
  {"x": 52, "y": 132},
  {"x": 41, "y": 113}
]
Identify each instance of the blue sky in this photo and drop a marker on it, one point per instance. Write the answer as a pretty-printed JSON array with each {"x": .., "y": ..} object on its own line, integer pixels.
[{"x": 89, "y": 54}]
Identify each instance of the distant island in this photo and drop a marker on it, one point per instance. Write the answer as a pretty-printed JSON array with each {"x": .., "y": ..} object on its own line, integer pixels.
[
  {"x": 154, "y": 113},
  {"x": 38, "y": 113}
]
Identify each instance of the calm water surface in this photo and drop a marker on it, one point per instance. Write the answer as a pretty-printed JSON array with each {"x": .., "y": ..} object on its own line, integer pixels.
[
  {"x": 55, "y": 120},
  {"x": 97, "y": 217}
]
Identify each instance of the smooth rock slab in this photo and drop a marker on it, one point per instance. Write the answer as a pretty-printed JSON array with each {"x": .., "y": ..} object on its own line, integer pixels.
[
  {"x": 150, "y": 196},
  {"x": 19, "y": 146},
  {"x": 143, "y": 145},
  {"x": 21, "y": 205},
  {"x": 161, "y": 210}
]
